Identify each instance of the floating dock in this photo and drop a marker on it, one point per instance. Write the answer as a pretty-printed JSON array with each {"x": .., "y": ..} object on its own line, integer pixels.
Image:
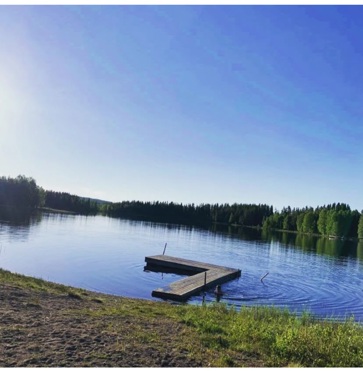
[{"x": 202, "y": 276}]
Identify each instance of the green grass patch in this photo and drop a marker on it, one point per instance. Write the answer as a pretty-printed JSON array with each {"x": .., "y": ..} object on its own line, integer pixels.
[
  {"x": 37, "y": 284},
  {"x": 281, "y": 338}
]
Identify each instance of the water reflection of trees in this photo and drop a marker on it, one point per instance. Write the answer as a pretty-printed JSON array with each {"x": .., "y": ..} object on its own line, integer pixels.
[
  {"x": 306, "y": 242},
  {"x": 333, "y": 248},
  {"x": 19, "y": 228},
  {"x": 244, "y": 233},
  {"x": 309, "y": 243},
  {"x": 360, "y": 250}
]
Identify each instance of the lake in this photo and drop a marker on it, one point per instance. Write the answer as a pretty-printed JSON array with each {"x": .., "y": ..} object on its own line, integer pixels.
[{"x": 107, "y": 255}]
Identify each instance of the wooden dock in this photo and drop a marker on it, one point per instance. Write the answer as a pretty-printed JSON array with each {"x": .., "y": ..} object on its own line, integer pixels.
[{"x": 202, "y": 276}]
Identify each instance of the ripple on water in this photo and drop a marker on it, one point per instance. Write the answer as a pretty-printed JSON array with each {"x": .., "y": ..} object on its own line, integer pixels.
[{"x": 324, "y": 299}]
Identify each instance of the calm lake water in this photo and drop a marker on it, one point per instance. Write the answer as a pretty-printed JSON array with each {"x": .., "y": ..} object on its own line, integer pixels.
[{"x": 107, "y": 255}]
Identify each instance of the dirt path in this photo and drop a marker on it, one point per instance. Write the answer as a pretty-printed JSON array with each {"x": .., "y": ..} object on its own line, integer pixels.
[{"x": 45, "y": 329}]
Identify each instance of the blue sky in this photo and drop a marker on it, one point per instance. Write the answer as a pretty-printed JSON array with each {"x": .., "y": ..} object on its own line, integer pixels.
[{"x": 191, "y": 104}]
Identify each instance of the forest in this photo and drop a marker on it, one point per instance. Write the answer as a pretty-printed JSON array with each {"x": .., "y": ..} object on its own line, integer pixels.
[
  {"x": 21, "y": 196},
  {"x": 204, "y": 214},
  {"x": 68, "y": 202},
  {"x": 333, "y": 220}
]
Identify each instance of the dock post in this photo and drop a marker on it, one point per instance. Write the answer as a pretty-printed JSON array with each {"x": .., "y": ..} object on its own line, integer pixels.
[
  {"x": 165, "y": 248},
  {"x": 205, "y": 279}
]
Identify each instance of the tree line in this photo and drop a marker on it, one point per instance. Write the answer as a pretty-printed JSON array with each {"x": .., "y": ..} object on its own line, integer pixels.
[
  {"x": 170, "y": 212},
  {"x": 68, "y": 202},
  {"x": 21, "y": 196},
  {"x": 335, "y": 220}
]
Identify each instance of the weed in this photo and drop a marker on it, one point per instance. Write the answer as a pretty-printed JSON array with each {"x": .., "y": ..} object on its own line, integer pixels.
[
  {"x": 225, "y": 361},
  {"x": 97, "y": 300},
  {"x": 74, "y": 295}
]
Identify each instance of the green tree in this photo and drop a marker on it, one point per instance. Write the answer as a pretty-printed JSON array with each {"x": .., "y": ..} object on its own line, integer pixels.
[
  {"x": 19, "y": 197},
  {"x": 231, "y": 218},
  {"x": 339, "y": 222},
  {"x": 353, "y": 230},
  {"x": 331, "y": 223},
  {"x": 345, "y": 221},
  {"x": 309, "y": 224},
  {"x": 322, "y": 220},
  {"x": 288, "y": 223},
  {"x": 360, "y": 226},
  {"x": 299, "y": 222}
]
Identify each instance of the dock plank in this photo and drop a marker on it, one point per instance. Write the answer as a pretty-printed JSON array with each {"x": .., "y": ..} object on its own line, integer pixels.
[
  {"x": 184, "y": 288},
  {"x": 185, "y": 264}
]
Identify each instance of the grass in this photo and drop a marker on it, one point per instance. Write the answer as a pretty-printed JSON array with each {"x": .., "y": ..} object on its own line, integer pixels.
[
  {"x": 37, "y": 284},
  {"x": 257, "y": 336},
  {"x": 279, "y": 337}
]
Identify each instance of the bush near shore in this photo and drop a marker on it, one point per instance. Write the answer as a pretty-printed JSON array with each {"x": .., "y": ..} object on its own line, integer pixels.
[{"x": 46, "y": 324}]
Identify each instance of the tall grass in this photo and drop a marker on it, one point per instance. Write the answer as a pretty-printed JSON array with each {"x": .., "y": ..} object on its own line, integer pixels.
[{"x": 279, "y": 337}]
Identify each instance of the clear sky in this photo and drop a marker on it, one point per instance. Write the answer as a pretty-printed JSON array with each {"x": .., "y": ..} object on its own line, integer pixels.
[{"x": 190, "y": 104}]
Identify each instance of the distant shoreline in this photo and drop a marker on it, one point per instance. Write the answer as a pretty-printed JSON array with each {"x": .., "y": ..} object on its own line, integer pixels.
[
  {"x": 55, "y": 211},
  {"x": 234, "y": 225}
]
